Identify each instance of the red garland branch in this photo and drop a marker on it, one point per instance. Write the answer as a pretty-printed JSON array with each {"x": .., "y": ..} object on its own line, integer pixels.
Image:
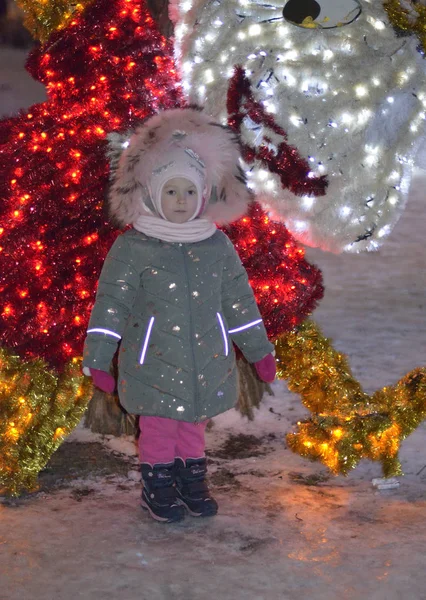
[
  {"x": 286, "y": 286},
  {"x": 286, "y": 162}
]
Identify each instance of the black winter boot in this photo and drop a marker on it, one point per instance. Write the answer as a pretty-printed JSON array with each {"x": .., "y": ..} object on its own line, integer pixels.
[
  {"x": 159, "y": 493},
  {"x": 191, "y": 487}
]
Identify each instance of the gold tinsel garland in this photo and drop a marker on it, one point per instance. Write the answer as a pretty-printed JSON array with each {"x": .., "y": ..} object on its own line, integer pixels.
[
  {"x": 347, "y": 424},
  {"x": 408, "y": 16},
  {"x": 37, "y": 410},
  {"x": 43, "y": 17}
]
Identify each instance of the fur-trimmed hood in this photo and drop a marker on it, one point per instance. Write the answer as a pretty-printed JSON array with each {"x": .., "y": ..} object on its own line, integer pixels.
[{"x": 135, "y": 155}]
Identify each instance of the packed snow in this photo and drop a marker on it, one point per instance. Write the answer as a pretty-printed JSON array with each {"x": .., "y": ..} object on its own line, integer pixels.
[{"x": 286, "y": 529}]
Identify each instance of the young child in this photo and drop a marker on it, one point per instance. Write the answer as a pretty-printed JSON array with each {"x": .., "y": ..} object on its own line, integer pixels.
[{"x": 175, "y": 296}]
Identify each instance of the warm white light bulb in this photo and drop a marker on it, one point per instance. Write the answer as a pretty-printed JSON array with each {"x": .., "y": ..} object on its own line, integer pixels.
[
  {"x": 295, "y": 120},
  {"x": 282, "y": 30},
  {"x": 384, "y": 231},
  {"x": 347, "y": 118},
  {"x": 300, "y": 226},
  {"x": 361, "y": 91},
  {"x": 255, "y": 29},
  {"x": 308, "y": 202},
  {"x": 208, "y": 76},
  {"x": 290, "y": 55}
]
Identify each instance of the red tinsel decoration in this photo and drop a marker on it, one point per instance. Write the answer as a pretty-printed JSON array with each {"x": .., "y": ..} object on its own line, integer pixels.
[
  {"x": 108, "y": 70},
  {"x": 286, "y": 286},
  {"x": 286, "y": 162}
]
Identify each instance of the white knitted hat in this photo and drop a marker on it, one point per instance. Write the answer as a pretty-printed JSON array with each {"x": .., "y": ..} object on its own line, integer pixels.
[{"x": 179, "y": 162}]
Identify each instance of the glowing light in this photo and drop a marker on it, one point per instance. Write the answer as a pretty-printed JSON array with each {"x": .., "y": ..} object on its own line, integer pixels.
[
  {"x": 364, "y": 115},
  {"x": 384, "y": 231},
  {"x": 255, "y": 29},
  {"x": 59, "y": 433},
  {"x": 361, "y": 91},
  {"x": 295, "y": 120},
  {"x": 290, "y": 55},
  {"x": 308, "y": 201},
  {"x": 379, "y": 25},
  {"x": 208, "y": 76},
  {"x": 282, "y": 31},
  {"x": 300, "y": 226}
]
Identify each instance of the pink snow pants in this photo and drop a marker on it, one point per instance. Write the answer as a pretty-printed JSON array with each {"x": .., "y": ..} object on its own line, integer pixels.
[{"x": 162, "y": 440}]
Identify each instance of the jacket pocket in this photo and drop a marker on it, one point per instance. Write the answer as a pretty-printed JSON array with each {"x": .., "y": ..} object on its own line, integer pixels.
[
  {"x": 145, "y": 342},
  {"x": 224, "y": 334}
]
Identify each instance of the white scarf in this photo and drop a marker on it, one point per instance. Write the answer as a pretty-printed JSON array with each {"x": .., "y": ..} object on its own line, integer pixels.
[{"x": 189, "y": 232}]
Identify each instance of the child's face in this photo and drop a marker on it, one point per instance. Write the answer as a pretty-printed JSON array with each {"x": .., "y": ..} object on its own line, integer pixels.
[{"x": 179, "y": 199}]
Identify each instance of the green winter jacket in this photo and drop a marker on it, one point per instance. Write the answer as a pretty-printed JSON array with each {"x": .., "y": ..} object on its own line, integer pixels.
[{"x": 175, "y": 309}]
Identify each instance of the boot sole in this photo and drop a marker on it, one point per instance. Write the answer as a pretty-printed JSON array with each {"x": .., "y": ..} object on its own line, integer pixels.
[
  {"x": 176, "y": 519},
  {"x": 212, "y": 513}
]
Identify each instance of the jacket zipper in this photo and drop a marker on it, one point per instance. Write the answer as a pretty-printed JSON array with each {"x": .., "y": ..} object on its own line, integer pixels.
[{"x": 192, "y": 338}]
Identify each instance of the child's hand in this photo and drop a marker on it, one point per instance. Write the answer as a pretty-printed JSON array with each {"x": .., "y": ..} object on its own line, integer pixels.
[
  {"x": 266, "y": 368},
  {"x": 104, "y": 381}
]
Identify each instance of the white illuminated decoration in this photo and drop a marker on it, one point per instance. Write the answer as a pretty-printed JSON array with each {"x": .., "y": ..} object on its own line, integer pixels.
[{"x": 333, "y": 74}]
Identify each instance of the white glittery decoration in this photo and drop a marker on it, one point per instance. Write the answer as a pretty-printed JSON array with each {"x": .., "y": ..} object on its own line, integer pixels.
[{"x": 352, "y": 100}]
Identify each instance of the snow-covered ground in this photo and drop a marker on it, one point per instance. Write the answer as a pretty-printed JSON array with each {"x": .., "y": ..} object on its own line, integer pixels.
[{"x": 276, "y": 537}]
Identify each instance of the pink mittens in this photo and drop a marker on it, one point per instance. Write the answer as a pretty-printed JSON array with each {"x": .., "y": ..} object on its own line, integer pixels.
[
  {"x": 266, "y": 368},
  {"x": 103, "y": 381}
]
